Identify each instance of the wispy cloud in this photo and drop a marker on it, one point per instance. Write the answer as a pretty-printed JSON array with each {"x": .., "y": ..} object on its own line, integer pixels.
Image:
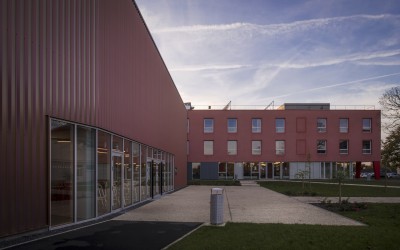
[
  {"x": 272, "y": 29},
  {"x": 342, "y": 59},
  {"x": 208, "y": 67}
]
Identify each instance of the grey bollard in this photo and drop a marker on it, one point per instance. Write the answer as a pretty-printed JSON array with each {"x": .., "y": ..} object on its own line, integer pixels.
[{"x": 217, "y": 206}]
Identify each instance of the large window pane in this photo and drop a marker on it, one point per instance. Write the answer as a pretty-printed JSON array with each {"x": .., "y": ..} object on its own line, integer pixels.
[
  {"x": 85, "y": 176},
  {"x": 145, "y": 175},
  {"x": 62, "y": 172},
  {"x": 136, "y": 171},
  {"x": 103, "y": 172},
  {"x": 127, "y": 173}
]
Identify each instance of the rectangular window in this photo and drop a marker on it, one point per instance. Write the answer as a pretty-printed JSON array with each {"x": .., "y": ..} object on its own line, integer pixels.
[
  {"x": 232, "y": 125},
  {"x": 344, "y": 125},
  {"x": 195, "y": 170},
  {"x": 279, "y": 147},
  {"x": 232, "y": 147},
  {"x": 366, "y": 147},
  {"x": 208, "y": 147},
  {"x": 256, "y": 147},
  {"x": 321, "y": 125},
  {"x": 256, "y": 125},
  {"x": 62, "y": 172},
  {"x": 343, "y": 146},
  {"x": 280, "y": 125},
  {"x": 85, "y": 174},
  {"x": 321, "y": 146},
  {"x": 366, "y": 125},
  {"x": 208, "y": 125}
]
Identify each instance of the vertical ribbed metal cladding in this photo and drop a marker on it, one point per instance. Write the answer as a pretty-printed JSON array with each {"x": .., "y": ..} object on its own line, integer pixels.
[{"x": 48, "y": 68}]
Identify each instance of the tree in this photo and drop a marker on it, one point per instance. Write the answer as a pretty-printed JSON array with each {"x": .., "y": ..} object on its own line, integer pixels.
[
  {"x": 390, "y": 102},
  {"x": 340, "y": 176},
  {"x": 391, "y": 149}
]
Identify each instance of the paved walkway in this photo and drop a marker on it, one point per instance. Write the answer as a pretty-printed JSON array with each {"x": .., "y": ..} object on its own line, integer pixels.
[{"x": 251, "y": 204}]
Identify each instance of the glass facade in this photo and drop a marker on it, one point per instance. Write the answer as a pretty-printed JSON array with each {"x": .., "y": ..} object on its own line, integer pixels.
[
  {"x": 62, "y": 173},
  {"x": 94, "y": 172}
]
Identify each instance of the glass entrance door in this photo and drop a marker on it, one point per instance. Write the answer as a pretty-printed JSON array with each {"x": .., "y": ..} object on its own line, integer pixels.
[
  {"x": 156, "y": 178},
  {"x": 116, "y": 181}
]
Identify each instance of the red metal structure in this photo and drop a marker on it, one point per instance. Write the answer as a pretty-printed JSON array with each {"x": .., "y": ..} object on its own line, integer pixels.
[{"x": 88, "y": 62}]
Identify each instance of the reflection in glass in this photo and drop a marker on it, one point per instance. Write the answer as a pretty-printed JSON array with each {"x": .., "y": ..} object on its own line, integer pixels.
[
  {"x": 127, "y": 173},
  {"x": 85, "y": 176},
  {"x": 62, "y": 172},
  {"x": 103, "y": 173},
  {"x": 116, "y": 187},
  {"x": 136, "y": 171},
  {"x": 144, "y": 171}
]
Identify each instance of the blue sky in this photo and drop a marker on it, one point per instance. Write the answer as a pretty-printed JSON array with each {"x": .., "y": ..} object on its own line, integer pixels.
[{"x": 254, "y": 52}]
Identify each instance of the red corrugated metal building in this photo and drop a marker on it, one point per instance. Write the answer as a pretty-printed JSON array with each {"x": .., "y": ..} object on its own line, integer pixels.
[{"x": 91, "y": 121}]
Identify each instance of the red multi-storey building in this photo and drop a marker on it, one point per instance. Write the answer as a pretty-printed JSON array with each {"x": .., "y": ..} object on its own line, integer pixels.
[{"x": 277, "y": 144}]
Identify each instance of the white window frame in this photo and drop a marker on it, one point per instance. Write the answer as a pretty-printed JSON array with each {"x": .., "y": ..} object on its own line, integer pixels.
[
  {"x": 344, "y": 129},
  {"x": 321, "y": 146},
  {"x": 208, "y": 129},
  {"x": 256, "y": 124},
  {"x": 279, "y": 129},
  {"x": 321, "y": 125},
  {"x": 344, "y": 151},
  {"x": 232, "y": 147},
  {"x": 279, "y": 147},
  {"x": 256, "y": 147},
  {"x": 367, "y": 129},
  {"x": 208, "y": 147},
  {"x": 367, "y": 151},
  {"x": 232, "y": 129}
]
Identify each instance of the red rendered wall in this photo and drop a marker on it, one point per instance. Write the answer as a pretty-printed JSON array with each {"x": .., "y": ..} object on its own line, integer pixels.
[{"x": 292, "y": 136}]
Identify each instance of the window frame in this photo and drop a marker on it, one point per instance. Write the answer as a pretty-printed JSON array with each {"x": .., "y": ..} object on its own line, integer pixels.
[
  {"x": 280, "y": 150},
  {"x": 344, "y": 151},
  {"x": 254, "y": 150},
  {"x": 367, "y": 151},
  {"x": 341, "y": 128},
  {"x": 367, "y": 129},
  {"x": 323, "y": 128},
  {"x": 280, "y": 129},
  {"x": 208, "y": 129},
  {"x": 256, "y": 128},
  {"x": 232, "y": 147},
  {"x": 211, "y": 144},
  {"x": 324, "y": 149},
  {"x": 232, "y": 129}
]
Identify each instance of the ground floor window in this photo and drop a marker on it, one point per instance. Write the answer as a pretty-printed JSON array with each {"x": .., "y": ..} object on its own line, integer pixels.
[{"x": 93, "y": 172}]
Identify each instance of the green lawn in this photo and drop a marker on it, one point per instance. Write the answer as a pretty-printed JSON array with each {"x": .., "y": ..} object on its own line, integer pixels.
[
  {"x": 294, "y": 188},
  {"x": 382, "y": 232}
]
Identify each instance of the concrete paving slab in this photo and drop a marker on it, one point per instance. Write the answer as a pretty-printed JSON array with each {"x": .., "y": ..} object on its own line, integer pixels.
[{"x": 241, "y": 204}]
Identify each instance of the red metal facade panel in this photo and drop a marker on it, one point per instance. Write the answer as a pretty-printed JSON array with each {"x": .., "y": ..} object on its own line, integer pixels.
[
  {"x": 300, "y": 129},
  {"x": 58, "y": 59},
  {"x": 138, "y": 98}
]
